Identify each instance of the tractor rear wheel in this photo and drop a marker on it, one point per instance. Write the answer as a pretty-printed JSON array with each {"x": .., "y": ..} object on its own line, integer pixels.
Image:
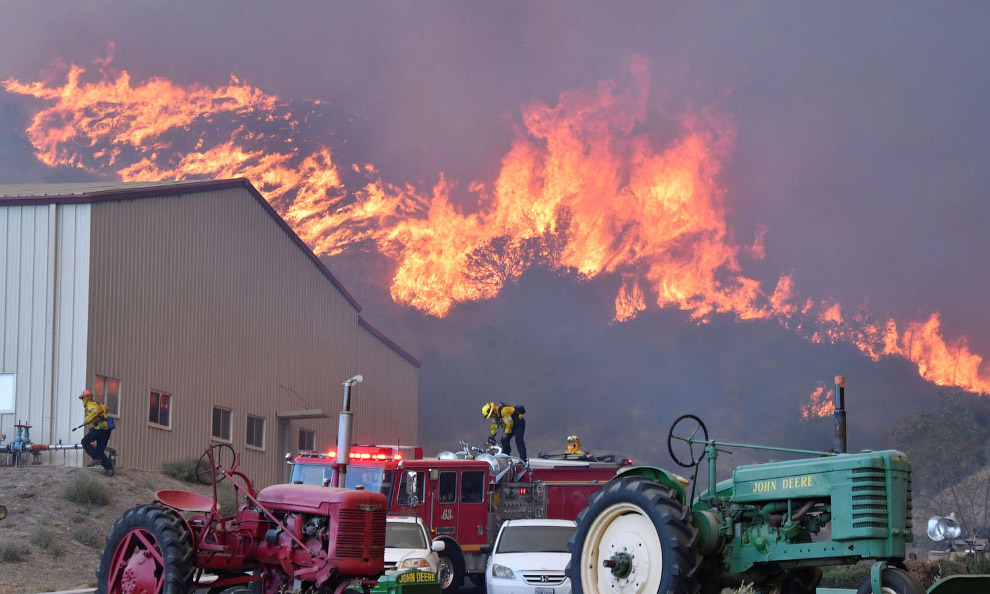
[
  {"x": 634, "y": 537},
  {"x": 149, "y": 549},
  {"x": 893, "y": 581}
]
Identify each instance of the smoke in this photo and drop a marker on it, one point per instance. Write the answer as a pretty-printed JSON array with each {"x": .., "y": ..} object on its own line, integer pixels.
[{"x": 849, "y": 174}]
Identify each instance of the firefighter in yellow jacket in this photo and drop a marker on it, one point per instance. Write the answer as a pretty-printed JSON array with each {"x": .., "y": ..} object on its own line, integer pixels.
[
  {"x": 510, "y": 419},
  {"x": 574, "y": 445},
  {"x": 95, "y": 441}
]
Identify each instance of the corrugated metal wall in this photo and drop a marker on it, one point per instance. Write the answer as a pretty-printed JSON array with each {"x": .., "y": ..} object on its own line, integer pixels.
[
  {"x": 381, "y": 415},
  {"x": 45, "y": 256},
  {"x": 205, "y": 297}
]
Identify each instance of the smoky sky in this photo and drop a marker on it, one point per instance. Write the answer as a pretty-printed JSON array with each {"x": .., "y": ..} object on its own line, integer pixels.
[{"x": 861, "y": 146}]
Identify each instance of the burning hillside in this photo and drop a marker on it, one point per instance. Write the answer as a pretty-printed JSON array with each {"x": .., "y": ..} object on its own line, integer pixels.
[{"x": 587, "y": 189}]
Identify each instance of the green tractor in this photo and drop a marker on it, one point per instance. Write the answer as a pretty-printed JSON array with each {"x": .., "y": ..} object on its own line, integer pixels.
[{"x": 771, "y": 526}]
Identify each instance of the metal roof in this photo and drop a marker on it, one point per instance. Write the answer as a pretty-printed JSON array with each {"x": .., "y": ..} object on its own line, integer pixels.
[{"x": 94, "y": 192}]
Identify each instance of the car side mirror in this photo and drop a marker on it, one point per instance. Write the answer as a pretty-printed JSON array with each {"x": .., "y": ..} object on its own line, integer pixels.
[
  {"x": 438, "y": 546},
  {"x": 485, "y": 549}
]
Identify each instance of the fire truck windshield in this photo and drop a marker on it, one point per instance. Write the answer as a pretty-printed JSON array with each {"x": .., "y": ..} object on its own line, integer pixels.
[{"x": 369, "y": 478}]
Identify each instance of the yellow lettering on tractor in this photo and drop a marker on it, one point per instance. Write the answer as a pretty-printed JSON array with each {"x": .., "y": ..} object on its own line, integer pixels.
[{"x": 764, "y": 486}]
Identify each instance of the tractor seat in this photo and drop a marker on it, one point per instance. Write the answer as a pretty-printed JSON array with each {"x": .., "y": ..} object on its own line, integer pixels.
[{"x": 185, "y": 501}]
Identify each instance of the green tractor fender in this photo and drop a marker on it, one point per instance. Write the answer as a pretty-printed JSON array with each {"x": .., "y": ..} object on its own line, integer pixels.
[
  {"x": 659, "y": 476},
  {"x": 961, "y": 584}
]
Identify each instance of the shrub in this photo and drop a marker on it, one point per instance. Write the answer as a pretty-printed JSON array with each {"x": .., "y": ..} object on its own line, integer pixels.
[
  {"x": 48, "y": 543},
  {"x": 844, "y": 576},
  {"x": 183, "y": 470},
  {"x": 11, "y": 553},
  {"x": 88, "y": 536},
  {"x": 86, "y": 490}
]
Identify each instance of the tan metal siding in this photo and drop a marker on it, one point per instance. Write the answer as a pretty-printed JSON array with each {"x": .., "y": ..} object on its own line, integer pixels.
[
  {"x": 385, "y": 403},
  {"x": 204, "y": 296}
]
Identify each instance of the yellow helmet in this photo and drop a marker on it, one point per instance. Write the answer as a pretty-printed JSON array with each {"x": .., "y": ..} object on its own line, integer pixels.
[
  {"x": 488, "y": 410},
  {"x": 573, "y": 439}
]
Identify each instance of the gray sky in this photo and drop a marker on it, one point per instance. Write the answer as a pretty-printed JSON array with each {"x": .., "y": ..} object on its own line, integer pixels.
[{"x": 861, "y": 129}]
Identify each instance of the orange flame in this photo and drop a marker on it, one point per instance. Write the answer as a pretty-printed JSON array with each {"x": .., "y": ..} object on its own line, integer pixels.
[
  {"x": 584, "y": 189},
  {"x": 820, "y": 403}
]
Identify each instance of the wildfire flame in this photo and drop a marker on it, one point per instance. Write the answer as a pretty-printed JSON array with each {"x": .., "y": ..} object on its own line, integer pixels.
[
  {"x": 820, "y": 403},
  {"x": 584, "y": 189}
]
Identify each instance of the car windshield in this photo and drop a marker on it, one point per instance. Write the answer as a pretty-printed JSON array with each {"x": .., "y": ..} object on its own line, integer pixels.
[
  {"x": 404, "y": 535},
  {"x": 535, "y": 539}
]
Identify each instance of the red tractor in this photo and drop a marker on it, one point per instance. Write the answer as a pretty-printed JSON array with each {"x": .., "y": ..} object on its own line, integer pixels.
[
  {"x": 285, "y": 537},
  {"x": 323, "y": 540}
]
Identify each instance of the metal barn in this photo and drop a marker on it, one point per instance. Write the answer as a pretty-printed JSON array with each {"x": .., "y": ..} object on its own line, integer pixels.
[{"x": 196, "y": 314}]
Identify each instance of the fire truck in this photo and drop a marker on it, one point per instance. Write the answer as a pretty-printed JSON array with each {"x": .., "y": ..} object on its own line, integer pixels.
[{"x": 464, "y": 497}]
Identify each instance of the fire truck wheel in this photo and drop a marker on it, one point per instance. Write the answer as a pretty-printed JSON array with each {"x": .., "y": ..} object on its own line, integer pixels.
[
  {"x": 450, "y": 569},
  {"x": 893, "y": 581},
  {"x": 634, "y": 537},
  {"x": 149, "y": 549}
]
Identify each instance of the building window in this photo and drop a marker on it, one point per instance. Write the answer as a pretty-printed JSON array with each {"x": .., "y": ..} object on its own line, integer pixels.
[
  {"x": 256, "y": 431},
  {"x": 160, "y": 414},
  {"x": 7, "y": 392},
  {"x": 107, "y": 390},
  {"x": 307, "y": 440},
  {"x": 221, "y": 423}
]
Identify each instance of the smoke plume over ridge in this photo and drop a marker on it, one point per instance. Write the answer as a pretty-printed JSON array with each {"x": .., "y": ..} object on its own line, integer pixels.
[{"x": 583, "y": 190}]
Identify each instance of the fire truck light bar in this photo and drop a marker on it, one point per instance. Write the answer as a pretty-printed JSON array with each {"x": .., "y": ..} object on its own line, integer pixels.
[{"x": 370, "y": 453}]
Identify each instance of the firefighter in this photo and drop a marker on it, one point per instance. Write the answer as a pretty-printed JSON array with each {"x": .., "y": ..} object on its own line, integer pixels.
[
  {"x": 574, "y": 445},
  {"x": 510, "y": 419},
  {"x": 95, "y": 440}
]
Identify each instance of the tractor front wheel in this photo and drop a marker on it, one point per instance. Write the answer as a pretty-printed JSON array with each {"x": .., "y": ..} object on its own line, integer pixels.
[
  {"x": 893, "y": 581},
  {"x": 634, "y": 537},
  {"x": 148, "y": 550}
]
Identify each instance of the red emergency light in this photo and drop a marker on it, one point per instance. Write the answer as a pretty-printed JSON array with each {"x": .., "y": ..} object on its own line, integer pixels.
[{"x": 370, "y": 453}]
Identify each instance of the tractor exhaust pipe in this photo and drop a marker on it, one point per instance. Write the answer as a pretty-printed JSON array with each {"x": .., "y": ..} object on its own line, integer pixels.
[
  {"x": 344, "y": 430},
  {"x": 840, "y": 415}
]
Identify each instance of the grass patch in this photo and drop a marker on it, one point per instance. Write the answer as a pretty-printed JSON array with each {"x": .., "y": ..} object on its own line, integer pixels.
[
  {"x": 86, "y": 490},
  {"x": 11, "y": 553},
  {"x": 88, "y": 536},
  {"x": 183, "y": 470},
  {"x": 44, "y": 540}
]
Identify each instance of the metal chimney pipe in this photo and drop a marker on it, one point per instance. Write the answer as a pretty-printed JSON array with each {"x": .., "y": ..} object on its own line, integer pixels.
[
  {"x": 344, "y": 430},
  {"x": 840, "y": 415}
]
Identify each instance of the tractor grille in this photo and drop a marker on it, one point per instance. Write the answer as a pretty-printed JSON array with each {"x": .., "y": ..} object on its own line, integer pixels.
[
  {"x": 910, "y": 507},
  {"x": 869, "y": 500},
  {"x": 352, "y": 526},
  {"x": 544, "y": 577}
]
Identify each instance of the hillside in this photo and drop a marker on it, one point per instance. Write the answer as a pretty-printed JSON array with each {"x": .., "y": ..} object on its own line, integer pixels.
[{"x": 60, "y": 539}]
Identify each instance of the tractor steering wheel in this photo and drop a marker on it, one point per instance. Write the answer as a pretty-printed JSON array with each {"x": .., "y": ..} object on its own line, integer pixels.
[
  {"x": 687, "y": 432},
  {"x": 223, "y": 457}
]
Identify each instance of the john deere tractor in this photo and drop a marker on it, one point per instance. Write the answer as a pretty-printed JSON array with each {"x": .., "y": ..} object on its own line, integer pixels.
[{"x": 771, "y": 525}]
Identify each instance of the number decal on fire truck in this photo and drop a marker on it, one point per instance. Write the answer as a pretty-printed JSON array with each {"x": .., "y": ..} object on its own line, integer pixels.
[{"x": 447, "y": 514}]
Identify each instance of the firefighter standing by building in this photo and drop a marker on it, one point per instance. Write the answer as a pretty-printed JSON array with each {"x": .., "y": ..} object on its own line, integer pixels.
[
  {"x": 95, "y": 441},
  {"x": 510, "y": 419}
]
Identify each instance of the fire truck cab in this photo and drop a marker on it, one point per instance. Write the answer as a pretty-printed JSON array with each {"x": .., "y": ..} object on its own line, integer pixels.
[{"x": 463, "y": 501}]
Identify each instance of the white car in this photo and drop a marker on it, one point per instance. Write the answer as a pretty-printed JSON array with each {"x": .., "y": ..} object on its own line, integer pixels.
[
  {"x": 529, "y": 557},
  {"x": 408, "y": 544}
]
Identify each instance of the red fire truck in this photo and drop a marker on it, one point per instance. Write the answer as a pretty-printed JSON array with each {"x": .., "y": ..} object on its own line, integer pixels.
[{"x": 464, "y": 497}]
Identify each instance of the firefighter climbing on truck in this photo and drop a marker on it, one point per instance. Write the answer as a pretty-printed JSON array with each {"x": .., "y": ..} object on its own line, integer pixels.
[{"x": 510, "y": 419}]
